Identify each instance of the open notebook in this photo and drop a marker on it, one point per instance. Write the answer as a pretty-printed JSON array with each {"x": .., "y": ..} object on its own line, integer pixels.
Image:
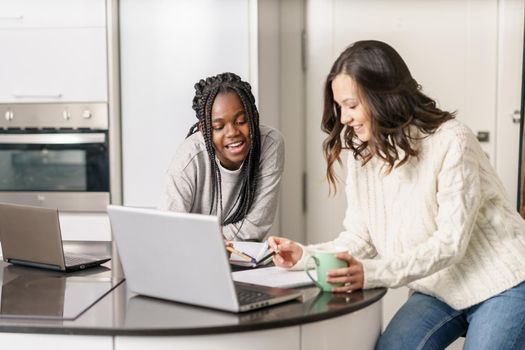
[{"x": 261, "y": 252}]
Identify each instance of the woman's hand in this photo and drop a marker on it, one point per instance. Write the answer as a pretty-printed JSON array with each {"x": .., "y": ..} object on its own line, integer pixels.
[
  {"x": 288, "y": 252},
  {"x": 352, "y": 276}
]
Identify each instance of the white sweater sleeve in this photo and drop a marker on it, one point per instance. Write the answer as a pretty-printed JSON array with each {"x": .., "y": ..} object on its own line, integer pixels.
[
  {"x": 458, "y": 196},
  {"x": 356, "y": 234}
]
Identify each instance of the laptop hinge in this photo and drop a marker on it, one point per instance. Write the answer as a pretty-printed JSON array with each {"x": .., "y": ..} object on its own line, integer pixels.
[{"x": 34, "y": 264}]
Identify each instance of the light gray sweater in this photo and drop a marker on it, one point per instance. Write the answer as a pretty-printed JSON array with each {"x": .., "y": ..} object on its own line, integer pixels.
[
  {"x": 188, "y": 186},
  {"x": 441, "y": 223}
]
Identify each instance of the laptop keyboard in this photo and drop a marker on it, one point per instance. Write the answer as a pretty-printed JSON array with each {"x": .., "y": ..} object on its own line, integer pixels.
[
  {"x": 72, "y": 260},
  {"x": 247, "y": 296}
]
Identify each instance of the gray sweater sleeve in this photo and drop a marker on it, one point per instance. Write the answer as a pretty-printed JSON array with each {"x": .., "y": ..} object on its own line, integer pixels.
[
  {"x": 185, "y": 176},
  {"x": 260, "y": 218},
  {"x": 178, "y": 193}
]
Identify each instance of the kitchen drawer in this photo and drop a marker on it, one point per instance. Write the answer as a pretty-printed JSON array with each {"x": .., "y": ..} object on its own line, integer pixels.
[
  {"x": 53, "y": 65},
  {"x": 52, "y": 13}
]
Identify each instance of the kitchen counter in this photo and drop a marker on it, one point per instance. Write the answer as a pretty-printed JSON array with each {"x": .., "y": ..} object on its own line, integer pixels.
[{"x": 119, "y": 315}]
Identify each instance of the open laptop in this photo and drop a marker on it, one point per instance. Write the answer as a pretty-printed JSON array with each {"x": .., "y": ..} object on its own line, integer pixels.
[
  {"x": 31, "y": 236},
  {"x": 181, "y": 257}
]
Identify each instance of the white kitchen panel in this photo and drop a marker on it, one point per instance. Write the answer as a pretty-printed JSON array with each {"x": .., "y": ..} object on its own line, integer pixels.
[
  {"x": 27, "y": 341},
  {"x": 278, "y": 338},
  {"x": 85, "y": 226},
  {"x": 166, "y": 47},
  {"x": 25, "y": 14},
  {"x": 510, "y": 67},
  {"x": 53, "y": 65},
  {"x": 358, "y": 330}
]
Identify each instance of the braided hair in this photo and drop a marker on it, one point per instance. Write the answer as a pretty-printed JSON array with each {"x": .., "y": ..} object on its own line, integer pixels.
[{"x": 206, "y": 90}]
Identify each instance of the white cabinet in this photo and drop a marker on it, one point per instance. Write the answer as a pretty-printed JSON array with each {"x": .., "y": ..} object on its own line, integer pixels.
[
  {"x": 278, "y": 338},
  {"x": 25, "y": 14},
  {"x": 53, "y": 51},
  {"x": 27, "y": 341},
  {"x": 85, "y": 226}
]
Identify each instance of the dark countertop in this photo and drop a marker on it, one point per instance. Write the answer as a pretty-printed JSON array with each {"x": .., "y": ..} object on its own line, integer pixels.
[{"x": 122, "y": 313}]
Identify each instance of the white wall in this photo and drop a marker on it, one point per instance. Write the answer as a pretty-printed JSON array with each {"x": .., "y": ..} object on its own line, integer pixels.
[
  {"x": 166, "y": 47},
  {"x": 281, "y": 100},
  {"x": 509, "y": 82}
]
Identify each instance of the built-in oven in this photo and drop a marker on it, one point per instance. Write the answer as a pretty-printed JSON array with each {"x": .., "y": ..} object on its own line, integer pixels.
[{"x": 55, "y": 155}]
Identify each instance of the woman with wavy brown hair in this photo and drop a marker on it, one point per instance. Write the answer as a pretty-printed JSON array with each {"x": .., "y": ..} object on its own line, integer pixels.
[{"x": 425, "y": 209}]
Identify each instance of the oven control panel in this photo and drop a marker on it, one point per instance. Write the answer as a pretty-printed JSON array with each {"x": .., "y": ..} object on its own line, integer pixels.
[{"x": 92, "y": 116}]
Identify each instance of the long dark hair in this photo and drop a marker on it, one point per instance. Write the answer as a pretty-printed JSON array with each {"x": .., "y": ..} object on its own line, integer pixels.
[
  {"x": 206, "y": 90},
  {"x": 393, "y": 100}
]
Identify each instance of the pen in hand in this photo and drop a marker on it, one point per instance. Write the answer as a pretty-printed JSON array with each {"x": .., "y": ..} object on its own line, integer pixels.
[
  {"x": 241, "y": 254},
  {"x": 267, "y": 256}
]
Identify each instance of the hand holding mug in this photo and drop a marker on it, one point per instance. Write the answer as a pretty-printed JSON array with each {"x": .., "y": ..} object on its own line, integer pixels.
[
  {"x": 349, "y": 278},
  {"x": 325, "y": 259},
  {"x": 288, "y": 252}
]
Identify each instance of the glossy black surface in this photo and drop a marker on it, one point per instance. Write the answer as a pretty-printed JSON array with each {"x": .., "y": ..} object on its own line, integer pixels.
[
  {"x": 122, "y": 313},
  {"x": 34, "y": 293}
]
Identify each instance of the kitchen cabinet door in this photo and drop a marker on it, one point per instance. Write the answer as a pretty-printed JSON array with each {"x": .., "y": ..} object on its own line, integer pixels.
[
  {"x": 27, "y": 341},
  {"x": 23, "y": 14},
  {"x": 53, "y": 65}
]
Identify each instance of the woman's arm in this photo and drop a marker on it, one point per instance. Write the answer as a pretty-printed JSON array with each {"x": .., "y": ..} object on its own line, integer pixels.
[
  {"x": 179, "y": 189},
  {"x": 356, "y": 235},
  {"x": 177, "y": 194}
]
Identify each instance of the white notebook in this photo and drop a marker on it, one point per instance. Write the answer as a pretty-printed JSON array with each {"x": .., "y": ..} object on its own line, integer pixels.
[
  {"x": 274, "y": 277},
  {"x": 257, "y": 250}
]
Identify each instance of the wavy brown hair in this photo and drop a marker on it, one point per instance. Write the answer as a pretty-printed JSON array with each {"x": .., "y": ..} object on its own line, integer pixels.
[{"x": 393, "y": 100}]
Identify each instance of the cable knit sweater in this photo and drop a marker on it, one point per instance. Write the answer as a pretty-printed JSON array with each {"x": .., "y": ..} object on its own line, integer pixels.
[{"x": 441, "y": 223}]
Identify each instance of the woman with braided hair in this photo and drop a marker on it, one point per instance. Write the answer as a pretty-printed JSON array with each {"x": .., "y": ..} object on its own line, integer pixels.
[{"x": 229, "y": 165}]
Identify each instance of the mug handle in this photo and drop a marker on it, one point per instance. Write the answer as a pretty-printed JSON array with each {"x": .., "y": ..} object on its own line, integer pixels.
[{"x": 307, "y": 271}]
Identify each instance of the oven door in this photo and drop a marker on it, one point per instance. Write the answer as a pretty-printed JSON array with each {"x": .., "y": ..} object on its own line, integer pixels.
[{"x": 69, "y": 171}]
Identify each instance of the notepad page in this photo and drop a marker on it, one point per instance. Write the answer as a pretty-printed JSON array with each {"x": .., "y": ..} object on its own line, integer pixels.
[
  {"x": 274, "y": 277},
  {"x": 254, "y": 249}
]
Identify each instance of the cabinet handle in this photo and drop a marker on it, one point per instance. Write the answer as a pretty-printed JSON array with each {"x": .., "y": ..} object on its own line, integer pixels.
[
  {"x": 9, "y": 115},
  {"x": 516, "y": 116},
  {"x": 28, "y": 95},
  {"x": 54, "y": 139}
]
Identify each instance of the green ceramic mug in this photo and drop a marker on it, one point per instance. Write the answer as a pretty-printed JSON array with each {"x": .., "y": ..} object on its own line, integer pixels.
[{"x": 325, "y": 260}]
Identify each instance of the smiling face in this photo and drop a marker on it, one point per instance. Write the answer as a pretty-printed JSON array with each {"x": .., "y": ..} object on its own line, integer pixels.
[
  {"x": 230, "y": 130},
  {"x": 353, "y": 112}
]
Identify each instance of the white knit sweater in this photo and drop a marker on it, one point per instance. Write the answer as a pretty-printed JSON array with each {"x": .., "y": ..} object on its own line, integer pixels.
[{"x": 441, "y": 223}]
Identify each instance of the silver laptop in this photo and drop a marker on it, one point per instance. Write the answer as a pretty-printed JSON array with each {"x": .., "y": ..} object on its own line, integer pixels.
[
  {"x": 181, "y": 257},
  {"x": 31, "y": 236}
]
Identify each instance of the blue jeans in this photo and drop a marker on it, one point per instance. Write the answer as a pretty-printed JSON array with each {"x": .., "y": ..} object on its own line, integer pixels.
[{"x": 424, "y": 322}]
